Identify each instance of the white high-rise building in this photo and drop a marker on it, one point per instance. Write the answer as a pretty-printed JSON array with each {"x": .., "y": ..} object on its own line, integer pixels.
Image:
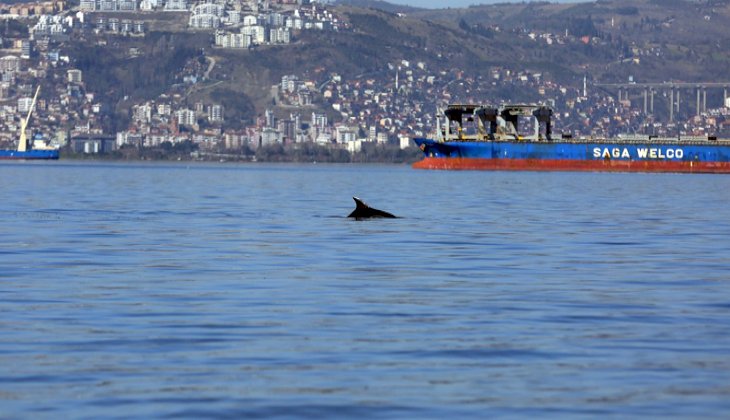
[
  {"x": 74, "y": 76},
  {"x": 24, "y": 104},
  {"x": 186, "y": 117},
  {"x": 215, "y": 113}
]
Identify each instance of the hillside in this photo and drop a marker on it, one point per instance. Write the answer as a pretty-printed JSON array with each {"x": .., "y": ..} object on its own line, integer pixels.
[
  {"x": 609, "y": 40},
  {"x": 679, "y": 40}
]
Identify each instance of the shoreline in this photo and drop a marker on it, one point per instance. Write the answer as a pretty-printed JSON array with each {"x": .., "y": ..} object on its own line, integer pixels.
[{"x": 305, "y": 153}]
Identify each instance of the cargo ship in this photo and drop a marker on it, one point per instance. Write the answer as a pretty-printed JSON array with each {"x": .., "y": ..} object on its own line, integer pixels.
[
  {"x": 26, "y": 150},
  {"x": 519, "y": 137}
]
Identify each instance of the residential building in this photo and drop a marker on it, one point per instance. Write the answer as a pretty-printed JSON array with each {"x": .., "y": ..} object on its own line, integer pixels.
[
  {"x": 176, "y": 5},
  {"x": 186, "y": 117},
  {"x": 74, "y": 76},
  {"x": 24, "y": 104},
  {"x": 215, "y": 113},
  {"x": 9, "y": 63}
]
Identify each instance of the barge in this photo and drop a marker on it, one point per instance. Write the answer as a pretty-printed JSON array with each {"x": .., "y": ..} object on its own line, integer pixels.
[{"x": 519, "y": 137}]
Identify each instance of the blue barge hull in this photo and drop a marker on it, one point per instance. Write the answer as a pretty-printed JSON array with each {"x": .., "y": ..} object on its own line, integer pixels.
[
  {"x": 576, "y": 155},
  {"x": 29, "y": 154}
]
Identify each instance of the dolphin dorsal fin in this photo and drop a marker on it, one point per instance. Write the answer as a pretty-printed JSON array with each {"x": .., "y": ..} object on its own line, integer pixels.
[
  {"x": 363, "y": 211},
  {"x": 359, "y": 204}
]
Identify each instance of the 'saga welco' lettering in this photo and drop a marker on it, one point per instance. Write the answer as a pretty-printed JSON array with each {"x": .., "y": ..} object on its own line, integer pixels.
[{"x": 641, "y": 153}]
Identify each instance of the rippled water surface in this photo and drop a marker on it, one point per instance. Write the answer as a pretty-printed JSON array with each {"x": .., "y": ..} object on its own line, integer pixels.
[{"x": 192, "y": 291}]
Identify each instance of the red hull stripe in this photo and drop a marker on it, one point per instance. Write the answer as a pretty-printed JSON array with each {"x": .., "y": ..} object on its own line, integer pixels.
[{"x": 572, "y": 165}]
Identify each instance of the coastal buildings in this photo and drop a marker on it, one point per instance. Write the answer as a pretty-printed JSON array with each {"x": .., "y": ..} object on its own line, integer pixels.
[{"x": 389, "y": 105}]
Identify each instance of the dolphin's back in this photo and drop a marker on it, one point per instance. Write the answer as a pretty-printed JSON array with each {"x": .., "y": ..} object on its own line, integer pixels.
[{"x": 363, "y": 211}]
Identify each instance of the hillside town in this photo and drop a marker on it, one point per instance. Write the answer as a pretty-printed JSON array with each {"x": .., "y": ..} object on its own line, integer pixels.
[{"x": 390, "y": 106}]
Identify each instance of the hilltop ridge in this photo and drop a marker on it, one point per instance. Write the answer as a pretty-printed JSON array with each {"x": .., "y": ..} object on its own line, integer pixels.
[{"x": 378, "y": 5}]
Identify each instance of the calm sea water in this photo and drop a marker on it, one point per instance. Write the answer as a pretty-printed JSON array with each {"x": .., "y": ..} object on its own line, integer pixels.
[{"x": 198, "y": 291}]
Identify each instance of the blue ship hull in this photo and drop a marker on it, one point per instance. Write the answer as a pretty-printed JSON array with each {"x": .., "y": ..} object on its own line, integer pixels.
[
  {"x": 519, "y": 137},
  {"x": 618, "y": 155},
  {"x": 29, "y": 154}
]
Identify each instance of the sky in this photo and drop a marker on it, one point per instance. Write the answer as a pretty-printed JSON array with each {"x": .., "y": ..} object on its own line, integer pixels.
[{"x": 441, "y": 4}]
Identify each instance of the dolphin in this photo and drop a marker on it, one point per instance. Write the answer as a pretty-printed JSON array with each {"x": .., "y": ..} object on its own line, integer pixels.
[{"x": 363, "y": 211}]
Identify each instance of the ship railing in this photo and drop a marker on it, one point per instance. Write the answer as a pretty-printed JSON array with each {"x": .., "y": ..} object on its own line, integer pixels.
[
  {"x": 638, "y": 139},
  {"x": 694, "y": 138},
  {"x": 584, "y": 140}
]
